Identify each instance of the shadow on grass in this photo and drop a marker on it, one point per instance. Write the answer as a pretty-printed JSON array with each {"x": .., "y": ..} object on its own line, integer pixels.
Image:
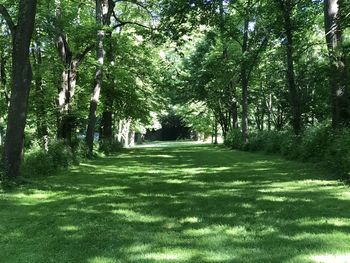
[{"x": 178, "y": 204}]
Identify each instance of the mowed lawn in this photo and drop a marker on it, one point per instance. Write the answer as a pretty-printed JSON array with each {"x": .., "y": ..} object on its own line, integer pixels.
[{"x": 179, "y": 203}]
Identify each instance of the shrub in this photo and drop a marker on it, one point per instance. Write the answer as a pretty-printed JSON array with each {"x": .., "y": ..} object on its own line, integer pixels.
[
  {"x": 79, "y": 150},
  {"x": 266, "y": 141},
  {"x": 337, "y": 155},
  {"x": 108, "y": 147},
  {"x": 61, "y": 154},
  {"x": 234, "y": 139},
  {"x": 315, "y": 142},
  {"x": 319, "y": 143},
  {"x": 273, "y": 141},
  {"x": 290, "y": 145},
  {"x": 38, "y": 163},
  {"x": 257, "y": 142}
]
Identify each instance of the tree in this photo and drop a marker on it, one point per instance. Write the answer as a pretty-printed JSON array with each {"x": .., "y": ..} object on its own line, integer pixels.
[
  {"x": 102, "y": 10},
  {"x": 21, "y": 78},
  {"x": 339, "y": 86},
  {"x": 286, "y": 9},
  {"x": 71, "y": 61}
]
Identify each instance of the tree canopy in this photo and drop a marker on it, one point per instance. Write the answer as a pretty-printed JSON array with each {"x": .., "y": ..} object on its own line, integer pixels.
[{"x": 100, "y": 71}]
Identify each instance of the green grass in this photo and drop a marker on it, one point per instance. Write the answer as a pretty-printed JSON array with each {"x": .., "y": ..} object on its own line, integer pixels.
[{"x": 188, "y": 203}]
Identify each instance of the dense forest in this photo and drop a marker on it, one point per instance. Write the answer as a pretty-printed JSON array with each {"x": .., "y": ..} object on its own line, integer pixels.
[{"x": 82, "y": 77}]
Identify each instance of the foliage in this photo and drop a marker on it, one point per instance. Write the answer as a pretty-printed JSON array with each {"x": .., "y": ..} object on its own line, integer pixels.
[
  {"x": 316, "y": 141},
  {"x": 110, "y": 147},
  {"x": 38, "y": 162},
  {"x": 61, "y": 154},
  {"x": 338, "y": 153},
  {"x": 317, "y": 144},
  {"x": 234, "y": 140}
]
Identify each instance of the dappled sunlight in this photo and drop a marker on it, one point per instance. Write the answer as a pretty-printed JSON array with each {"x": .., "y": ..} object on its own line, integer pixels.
[
  {"x": 181, "y": 204},
  {"x": 130, "y": 215},
  {"x": 344, "y": 258},
  {"x": 173, "y": 255},
  {"x": 101, "y": 260}
]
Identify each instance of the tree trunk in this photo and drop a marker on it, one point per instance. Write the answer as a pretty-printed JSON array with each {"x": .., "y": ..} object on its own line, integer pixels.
[
  {"x": 245, "y": 82},
  {"x": 106, "y": 126},
  {"x": 65, "y": 120},
  {"x": 21, "y": 81},
  {"x": 71, "y": 62},
  {"x": 107, "y": 115},
  {"x": 293, "y": 91},
  {"x": 269, "y": 112},
  {"x": 338, "y": 80},
  {"x": 102, "y": 10}
]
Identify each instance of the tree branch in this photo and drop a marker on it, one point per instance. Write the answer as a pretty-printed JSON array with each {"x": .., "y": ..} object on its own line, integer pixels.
[
  {"x": 5, "y": 14},
  {"x": 134, "y": 2},
  {"x": 82, "y": 55},
  {"x": 122, "y": 23}
]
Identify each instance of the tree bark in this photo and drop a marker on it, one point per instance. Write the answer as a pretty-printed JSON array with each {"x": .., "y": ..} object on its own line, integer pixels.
[
  {"x": 107, "y": 115},
  {"x": 245, "y": 82},
  {"x": 294, "y": 97},
  {"x": 340, "y": 100},
  {"x": 103, "y": 10},
  {"x": 21, "y": 81}
]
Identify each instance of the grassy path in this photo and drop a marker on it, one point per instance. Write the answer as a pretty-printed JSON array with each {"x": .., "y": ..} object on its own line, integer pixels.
[{"x": 179, "y": 204}]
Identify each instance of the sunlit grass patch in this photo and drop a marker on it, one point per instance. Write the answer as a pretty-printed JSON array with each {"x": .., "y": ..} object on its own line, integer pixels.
[
  {"x": 178, "y": 203},
  {"x": 345, "y": 258}
]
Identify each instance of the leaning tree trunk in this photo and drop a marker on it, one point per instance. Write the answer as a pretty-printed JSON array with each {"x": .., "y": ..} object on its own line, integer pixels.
[
  {"x": 21, "y": 81},
  {"x": 337, "y": 72}
]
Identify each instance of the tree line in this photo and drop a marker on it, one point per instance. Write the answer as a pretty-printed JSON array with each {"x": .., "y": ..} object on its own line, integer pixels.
[
  {"x": 235, "y": 66},
  {"x": 71, "y": 69}
]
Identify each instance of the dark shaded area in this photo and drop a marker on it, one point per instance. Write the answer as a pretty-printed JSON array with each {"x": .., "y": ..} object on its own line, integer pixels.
[{"x": 172, "y": 129}]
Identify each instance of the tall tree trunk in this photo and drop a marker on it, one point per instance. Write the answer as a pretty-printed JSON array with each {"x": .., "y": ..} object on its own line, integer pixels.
[
  {"x": 269, "y": 111},
  {"x": 107, "y": 126},
  {"x": 107, "y": 115},
  {"x": 245, "y": 82},
  {"x": 102, "y": 11},
  {"x": 21, "y": 81},
  {"x": 294, "y": 96},
  {"x": 338, "y": 80}
]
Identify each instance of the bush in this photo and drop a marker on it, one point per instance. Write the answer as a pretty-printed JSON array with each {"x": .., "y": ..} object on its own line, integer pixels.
[
  {"x": 234, "y": 139},
  {"x": 61, "y": 154},
  {"x": 273, "y": 141},
  {"x": 290, "y": 145},
  {"x": 79, "y": 150},
  {"x": 316, "y": 141},
  {"x": 38, "y": 163},
  {"x": 266, "y": 141},
  {"x": 257, "y": 142},
  {"x": 108, "y": 147},
  {"x": 338, "y": 154},
  {"x": 319, "y": 144}
]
